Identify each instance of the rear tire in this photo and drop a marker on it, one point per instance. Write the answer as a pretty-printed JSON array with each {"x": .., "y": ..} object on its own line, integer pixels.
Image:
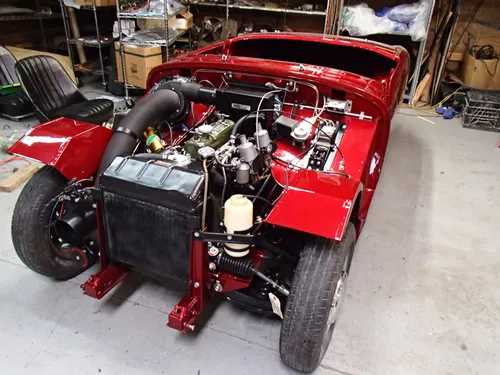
[
  {"x": 33, "y": 242},
  {"x": 307, "y": 323}
]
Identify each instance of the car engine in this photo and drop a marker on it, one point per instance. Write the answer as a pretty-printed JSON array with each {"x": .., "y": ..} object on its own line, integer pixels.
[{"x": 193, "y": 158}]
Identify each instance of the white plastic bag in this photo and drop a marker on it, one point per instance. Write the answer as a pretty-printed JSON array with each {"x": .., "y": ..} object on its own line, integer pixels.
[
  {"x": 408, "y": 19},
  {"x": 158, "y": 7},
  {"x": 418, "y": 28}
]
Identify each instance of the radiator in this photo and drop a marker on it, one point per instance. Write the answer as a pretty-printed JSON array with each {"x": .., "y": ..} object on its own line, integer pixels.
[{"x": 148, "y": 225}]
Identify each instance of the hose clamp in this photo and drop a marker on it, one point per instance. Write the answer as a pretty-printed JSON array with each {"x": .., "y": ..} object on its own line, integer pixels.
[{"x": 121, "y": 129}]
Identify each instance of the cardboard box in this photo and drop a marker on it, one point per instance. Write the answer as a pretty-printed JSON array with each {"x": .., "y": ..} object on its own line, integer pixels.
[
  {"x": 182, "y": 21},
  {"x": 139, "y": 60},
  {"x": 481, "y": 74},
  {"x": 98, "y": 3}
]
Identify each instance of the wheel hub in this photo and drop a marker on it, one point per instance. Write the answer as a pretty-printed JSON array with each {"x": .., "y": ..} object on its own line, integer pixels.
[{"x": 338, "y": 297}]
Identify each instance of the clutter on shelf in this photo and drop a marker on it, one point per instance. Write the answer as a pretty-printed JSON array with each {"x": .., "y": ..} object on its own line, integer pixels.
[
  {"x": 128, "y": 28},
  {"x": 183, "y": 20},
  {"x": 215, "y": 30},
  {"x": 153, "y": 30},
  {"x": 153, "y": 8},
  {"x": 405, "y": 19},
  {"x": 98, "y": 3},
  {"x": 266, "y": 5},
  {"x": 152, "y": 36}
]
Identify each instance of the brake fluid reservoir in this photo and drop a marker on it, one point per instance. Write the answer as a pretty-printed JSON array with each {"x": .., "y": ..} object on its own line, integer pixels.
[
  {"x": 213, "y": 135},
  {"x": 238, "y": 218}
]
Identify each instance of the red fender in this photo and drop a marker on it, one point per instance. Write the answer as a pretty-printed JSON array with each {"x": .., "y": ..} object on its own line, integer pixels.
[
  {"x": 72, "y": 147},
  {"x": 315, "y": 202}
]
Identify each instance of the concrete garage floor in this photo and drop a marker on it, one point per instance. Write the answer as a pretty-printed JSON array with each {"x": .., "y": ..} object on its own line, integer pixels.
[{"x": 423, "y": 296}]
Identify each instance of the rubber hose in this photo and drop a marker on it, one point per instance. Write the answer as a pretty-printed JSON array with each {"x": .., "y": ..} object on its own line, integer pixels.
[
  {"x": 150, "y": 156},
  {"x": 236, "y": 127},
  {"x": 193, "y": 92},
  {"x": 217, "y": 180},
  {"x": 213, "y": 213},
  {"x": 154, "y": 107}
]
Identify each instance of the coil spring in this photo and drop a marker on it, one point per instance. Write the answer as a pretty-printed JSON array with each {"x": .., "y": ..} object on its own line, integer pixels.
[
  {"x": 262, "y": 288},
  {"x": 239, "y": 266}
]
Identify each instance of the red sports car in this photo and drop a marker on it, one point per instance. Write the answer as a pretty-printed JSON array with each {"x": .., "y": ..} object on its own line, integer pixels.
[{"x": 248, "y": 169}]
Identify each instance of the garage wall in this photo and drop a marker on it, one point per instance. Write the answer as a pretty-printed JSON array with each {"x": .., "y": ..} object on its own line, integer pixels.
[{"x": 477, "y": 24}]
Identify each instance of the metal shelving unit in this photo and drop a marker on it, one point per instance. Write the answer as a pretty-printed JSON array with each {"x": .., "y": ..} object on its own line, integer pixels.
[
  {"x": 151, "y": 16},
  {"x": 330, "y": 6},
  {"x": 98, "y": 43},
  {"x": 90, "y": 43},
  {"x": 155, "y": 43},
  {"x": 169, "y": 39},
  {"x": 265, "y": 9},
  {"x": 420, "y": 53},
  {"x": 27, "y": 17},
  {"x": 40, "y": 16}
]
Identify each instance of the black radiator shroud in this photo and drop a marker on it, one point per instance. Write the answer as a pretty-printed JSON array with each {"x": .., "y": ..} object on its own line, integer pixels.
[{"x": 149, "y": 211}]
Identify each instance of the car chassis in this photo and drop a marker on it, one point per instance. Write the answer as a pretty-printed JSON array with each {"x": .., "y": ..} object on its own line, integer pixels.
[{"x": 293, "y": 126}]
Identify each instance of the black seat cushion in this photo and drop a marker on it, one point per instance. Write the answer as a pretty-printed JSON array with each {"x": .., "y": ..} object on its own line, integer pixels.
[
  {"x": 7, "y": 73},
  {"x": 15, "y": 105},
  {"x": 94, "y": 111},
  {"x": 47, "y": 84},
  {"x": 54, "y": 94}
]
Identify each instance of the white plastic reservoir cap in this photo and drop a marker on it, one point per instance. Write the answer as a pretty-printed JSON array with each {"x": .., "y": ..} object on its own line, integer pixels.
[
  {"x": 205, "y": 129},
  {"x": 238, "y": 217}
]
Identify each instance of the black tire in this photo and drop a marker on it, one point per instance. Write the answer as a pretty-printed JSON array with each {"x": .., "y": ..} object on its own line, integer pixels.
[
  {"x": 306, "y": 332},
  {"x": 33, "y": 242}
]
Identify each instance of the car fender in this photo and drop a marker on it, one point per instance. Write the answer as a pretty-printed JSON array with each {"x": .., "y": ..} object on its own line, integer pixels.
[
  {"x": 74, "y": 148},
  {"x": 314, "y": 202}
]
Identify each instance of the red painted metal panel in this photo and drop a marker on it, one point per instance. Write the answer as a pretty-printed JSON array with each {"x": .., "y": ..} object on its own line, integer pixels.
[
  {"x": 73, "y": 147},
  {"x": 321, "y": 203},
  {"x": 316, "y": 203}
]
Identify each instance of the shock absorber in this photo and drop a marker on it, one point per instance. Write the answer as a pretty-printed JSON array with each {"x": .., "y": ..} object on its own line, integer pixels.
[
  {"x": 239, "y": 266},
  {"x": 244, "y": 267}
]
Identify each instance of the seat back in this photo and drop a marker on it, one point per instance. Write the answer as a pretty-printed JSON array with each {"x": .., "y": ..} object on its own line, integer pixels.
[
  {"x": 7, "y": 72},
  {"x": 47, "y": 84}
]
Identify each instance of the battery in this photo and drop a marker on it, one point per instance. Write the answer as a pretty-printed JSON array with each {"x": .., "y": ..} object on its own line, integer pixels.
[{"x": 237, "y": 101}]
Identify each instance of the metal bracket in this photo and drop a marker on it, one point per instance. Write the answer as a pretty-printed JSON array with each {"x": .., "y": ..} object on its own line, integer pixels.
[
  {"x": 245, "y": 239},
  {"x": 101, "y": 283}
]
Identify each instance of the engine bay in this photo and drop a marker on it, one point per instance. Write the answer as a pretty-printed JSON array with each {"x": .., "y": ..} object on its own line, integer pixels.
[
  {"x": 245, "y": 131},
  {"x": 201, "y": 155},
  {"x": 208, "y": 168},
  {"x": 240, "y": 131}
]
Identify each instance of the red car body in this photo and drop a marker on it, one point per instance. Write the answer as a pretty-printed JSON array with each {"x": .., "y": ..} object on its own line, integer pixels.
[{"x": 316, "y": 203}]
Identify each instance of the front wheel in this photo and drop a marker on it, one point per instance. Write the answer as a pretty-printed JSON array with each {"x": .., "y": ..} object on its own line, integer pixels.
[
  {"x": 36, "y": 244},
  {"x": 315, "y": 299}
]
